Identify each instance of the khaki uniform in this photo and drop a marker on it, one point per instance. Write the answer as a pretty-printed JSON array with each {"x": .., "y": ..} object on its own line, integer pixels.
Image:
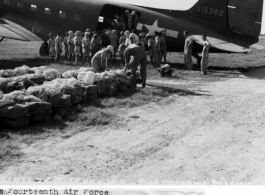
[
  {"x": 157, "y": 52},
  {"x": 77, "y": 43},
  {"x": 86, "y": 46},
  {"x": 58, "y": 45},
  {"x": 99, "y": 60},
  {"x": 134, "y": 37},
  {"x": 122, "y": 39},
  {"x": 71, "y": 47},
  {"x": 114, "y": 41},
  {"x": 187, "y": 53},
  {"x": 205, "y": 57},
  {"x": 140, "y": 58},
  {"x": 65, "y": 44},
  {"x": 51, "y": 43},
  {"x": 151, "y": 45}
]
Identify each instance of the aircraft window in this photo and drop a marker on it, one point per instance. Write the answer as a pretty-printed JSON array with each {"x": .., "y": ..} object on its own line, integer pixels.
[
  {"x": 62, "y": 14},
  {"x": 77, "y": 17},
  {"x": 33, "y": 8},
  {"x": 7, "y": 2},
  {"x": 101, "y": 19},
  {"x": 47, "y": 10},
  {"x": 20, "y": 5}
]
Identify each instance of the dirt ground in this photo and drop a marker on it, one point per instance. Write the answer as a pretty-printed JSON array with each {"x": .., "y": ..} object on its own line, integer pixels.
[{"x": 215, "y": 133}]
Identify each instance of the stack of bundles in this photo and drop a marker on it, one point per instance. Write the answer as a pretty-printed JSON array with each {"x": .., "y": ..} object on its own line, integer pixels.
[
  {"x": 85, "y": 69},
  {"x": 77, "y": 87},
  {"x": 4, "y": 84},
  {"x": 51, "y": 74},
  {"x": 7, "y": 73},
  {"x": 14, "y": 115},
  {"x": 1, "y": 73},
  {"x": 123, "y": 80},
  {"x": 21, "y": 97},
  {"x": 100, "y": 83},
  {"x": 90, "y": 90},
  {"x": 70, "y": 87},
  {"x": 44, "y": 92},
  {"x": 60, "y": 103},
  {"x": 23, "y": 70},
  {"x": 8, "y": 85},
  {"x": 39, "y": 111},
  {"x": 38, "y": 70},
  {"x": 70, "y": 74},
  {"x": 19, "y": 83},
  {"x": 89, "y": 78},
  {"x": 37, "y": 79},
  {"x": 5, "y": 100},
  {"x": 74, "y": 88},
  {"x": 106, "y": 83},
  {"x": 16, "y": 96},
  {"x": 82, "y": 73}
]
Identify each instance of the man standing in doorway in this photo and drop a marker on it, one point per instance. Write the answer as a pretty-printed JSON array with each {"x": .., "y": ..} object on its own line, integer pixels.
[{"x": 188, "y": 51}]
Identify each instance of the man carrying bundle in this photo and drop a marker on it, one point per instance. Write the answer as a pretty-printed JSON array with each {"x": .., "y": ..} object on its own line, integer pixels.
[{"x": 139, "y": 58}]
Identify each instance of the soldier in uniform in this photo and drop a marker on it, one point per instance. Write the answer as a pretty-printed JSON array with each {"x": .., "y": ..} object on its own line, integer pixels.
[{"x": 139, "y": 58}]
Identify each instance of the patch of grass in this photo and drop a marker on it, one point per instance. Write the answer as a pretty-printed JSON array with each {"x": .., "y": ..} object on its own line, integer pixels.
[
  {"x": 93, "y": 116},
  {"x": 9, "y": 149}
]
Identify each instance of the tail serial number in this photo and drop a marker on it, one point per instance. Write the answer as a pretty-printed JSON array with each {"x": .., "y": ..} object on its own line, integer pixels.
[{"x": 211, "y": 11}]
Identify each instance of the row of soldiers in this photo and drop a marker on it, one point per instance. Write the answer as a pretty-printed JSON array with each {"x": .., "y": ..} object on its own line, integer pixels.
[
  {"x": 80, "y": 47},
  {"x": 155, "y": 45},
  {"x": 77, "y": 46}
]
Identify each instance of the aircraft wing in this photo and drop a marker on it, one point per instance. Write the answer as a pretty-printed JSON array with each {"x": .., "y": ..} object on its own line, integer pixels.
[
  {"x": 12, "y": 30},
  {"x": 256, "y": 46},
  {"x": 220, "y": 44}
]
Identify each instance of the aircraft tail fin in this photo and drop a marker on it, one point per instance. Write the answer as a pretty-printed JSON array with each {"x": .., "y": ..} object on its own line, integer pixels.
[
  {"x": 239, "y": 16},
  {"x": 245, "y": 16}
]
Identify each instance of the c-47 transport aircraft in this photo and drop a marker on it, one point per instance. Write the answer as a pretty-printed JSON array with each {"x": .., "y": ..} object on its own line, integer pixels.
[{"x": 230, "y": 25}]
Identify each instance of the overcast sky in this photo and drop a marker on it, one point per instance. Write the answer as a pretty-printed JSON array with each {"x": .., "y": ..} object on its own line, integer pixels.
[{"x": 179, "y": 5}]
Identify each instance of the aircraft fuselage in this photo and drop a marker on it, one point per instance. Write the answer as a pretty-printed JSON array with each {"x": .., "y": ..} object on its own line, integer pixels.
[{"x": 44, "y": 16}]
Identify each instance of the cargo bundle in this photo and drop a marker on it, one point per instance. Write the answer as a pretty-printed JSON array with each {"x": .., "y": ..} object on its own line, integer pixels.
[{"x": 33, "y": 95}]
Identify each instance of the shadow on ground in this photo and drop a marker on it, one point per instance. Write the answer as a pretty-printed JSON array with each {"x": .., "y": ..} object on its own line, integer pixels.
[
  {"x": 35, "y": 62},
  {"x": 255, "y": 73},
  {"x": 180, "y": 92}
]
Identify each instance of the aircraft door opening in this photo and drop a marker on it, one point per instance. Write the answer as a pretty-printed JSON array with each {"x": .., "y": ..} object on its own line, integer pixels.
[
  {"x": 114, "y": 17},
  {"x": 245, "y": 16}
]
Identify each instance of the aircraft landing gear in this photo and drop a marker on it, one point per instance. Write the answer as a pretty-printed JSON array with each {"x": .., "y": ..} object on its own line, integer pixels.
[{"x": 2, "y": 39}]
